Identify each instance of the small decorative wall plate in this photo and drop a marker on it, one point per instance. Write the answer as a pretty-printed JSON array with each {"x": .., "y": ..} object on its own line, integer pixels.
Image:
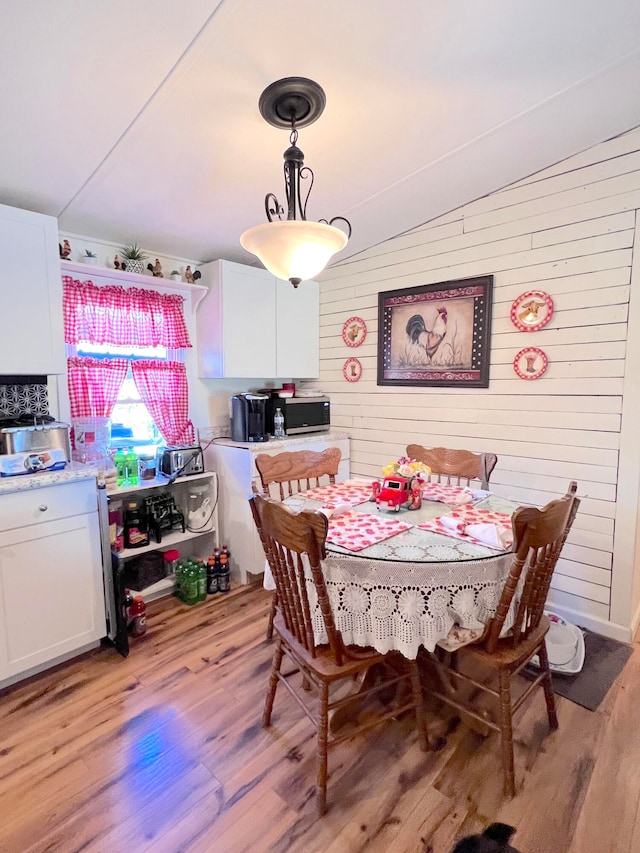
[
  {"x": 532, "y": 310},
  {"x": 530, "y": 363},
  {"x": 354, "y": 331},
  {"x": 352, "y": 369}
]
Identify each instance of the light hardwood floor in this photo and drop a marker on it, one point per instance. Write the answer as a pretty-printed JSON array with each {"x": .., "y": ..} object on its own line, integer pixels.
[{"x": 164, "y": 752}]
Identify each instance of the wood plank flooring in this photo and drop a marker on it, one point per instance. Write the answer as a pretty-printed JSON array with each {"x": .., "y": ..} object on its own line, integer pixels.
[{"x": 164, "y": 752}]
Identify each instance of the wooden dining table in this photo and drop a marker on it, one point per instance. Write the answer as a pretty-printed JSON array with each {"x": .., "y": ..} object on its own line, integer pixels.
[{"x": 413, "y": 588}]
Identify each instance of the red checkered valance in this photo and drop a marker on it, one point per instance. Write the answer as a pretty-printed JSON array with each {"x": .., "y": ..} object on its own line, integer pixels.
[{"x": 125, "y": 317}]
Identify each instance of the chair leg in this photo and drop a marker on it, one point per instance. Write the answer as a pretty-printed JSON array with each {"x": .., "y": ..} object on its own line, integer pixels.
[
  {"x": 273, "y": 683},
  {"x": 272, "y": 613},
  {"x": 416, "y": 691},
  {"x": 548, "y": 686},
  {"x": 506, "y": 729},
  {"x": 323, "y": 733}
]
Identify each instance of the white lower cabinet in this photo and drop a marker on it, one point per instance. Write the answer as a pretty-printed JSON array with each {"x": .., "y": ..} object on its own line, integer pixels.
[
  {"x": 238, "y": 475},
  {"x": 51, "y": 583}
]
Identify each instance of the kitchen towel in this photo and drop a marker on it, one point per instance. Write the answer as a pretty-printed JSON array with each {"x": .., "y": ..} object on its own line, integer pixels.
[
  {"x": 481, "y": 526},
  {"x": 355, "y": 530}
]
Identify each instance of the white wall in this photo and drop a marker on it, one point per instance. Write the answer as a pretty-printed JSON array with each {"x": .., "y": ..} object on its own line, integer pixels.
[{"x": 569, "y": 230}]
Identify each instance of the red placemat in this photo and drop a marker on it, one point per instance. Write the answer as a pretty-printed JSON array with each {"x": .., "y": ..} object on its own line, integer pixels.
[
  {"x": 446, "y": 494},
  {"x": 355, "y": 530},
  {"x": 340, "y": 493},
  {"x": 463, "y": 517}
]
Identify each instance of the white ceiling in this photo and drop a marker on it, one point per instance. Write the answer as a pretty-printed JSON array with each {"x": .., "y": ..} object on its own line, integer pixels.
[{"x": 137, "y": 120}]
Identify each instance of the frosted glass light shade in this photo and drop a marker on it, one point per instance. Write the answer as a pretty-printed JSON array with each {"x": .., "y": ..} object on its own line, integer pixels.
[{"x": 294, "y": 249}]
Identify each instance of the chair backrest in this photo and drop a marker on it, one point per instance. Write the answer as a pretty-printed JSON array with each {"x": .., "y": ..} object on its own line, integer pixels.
[
  {"x": 297, "y": 471},
  {"x": 455, "y": 466},
  {"x": 287, "y": 538},
  {"x": 538, "y": 538}
]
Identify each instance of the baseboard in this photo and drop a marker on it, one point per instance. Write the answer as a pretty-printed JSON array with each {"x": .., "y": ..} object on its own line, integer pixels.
[{"x": 592, "y": 623}]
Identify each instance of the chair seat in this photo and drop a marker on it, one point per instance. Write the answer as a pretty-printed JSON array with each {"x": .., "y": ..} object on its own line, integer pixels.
[
  {"x": 506, "y": 656},
  {"x": 323, "y": 663}
]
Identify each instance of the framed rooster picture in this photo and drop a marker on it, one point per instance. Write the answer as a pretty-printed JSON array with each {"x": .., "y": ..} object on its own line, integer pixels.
[{"x": 436, "y": 334}]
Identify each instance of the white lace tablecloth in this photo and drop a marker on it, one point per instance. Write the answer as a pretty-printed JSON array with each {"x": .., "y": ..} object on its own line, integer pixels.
[{"x": 411, "y": 589}]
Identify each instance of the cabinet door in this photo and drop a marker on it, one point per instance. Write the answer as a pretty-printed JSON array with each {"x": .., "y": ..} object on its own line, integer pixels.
[
  {"x": 32, "y": 339},
  {"x": 297, "y": 330},
  {"x": 51, "y": 594}
]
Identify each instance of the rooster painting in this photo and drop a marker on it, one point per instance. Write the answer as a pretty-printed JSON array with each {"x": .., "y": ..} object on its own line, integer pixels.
[{"x": 428, "y": 339}]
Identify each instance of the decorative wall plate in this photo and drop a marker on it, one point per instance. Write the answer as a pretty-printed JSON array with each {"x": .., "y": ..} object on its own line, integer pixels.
[
  {"x": 530, "y": 363},
  {"x": 354, "y": 331},
  {"x": 352, "y": 369},
  {"x": 532, "y": 310}
]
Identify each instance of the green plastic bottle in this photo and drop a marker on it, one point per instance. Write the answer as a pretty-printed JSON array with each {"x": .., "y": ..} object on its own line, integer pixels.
[
  {"x": 192, "y": 585},
  {"x": 202, "y": 581},
  {"x": 133, "y": 475},
  {"x": 119, "y": 460}
]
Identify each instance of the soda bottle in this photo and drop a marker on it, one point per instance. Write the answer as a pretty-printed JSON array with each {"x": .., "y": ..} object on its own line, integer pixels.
[
  {"x": 212, "y": 577},
  {"x": 131, "y": 464},
  {"x": 119, "y": 460},
  {"x": 224, "y": 584},
  {"x": 138, "y": 616},
  {"x": 180, "y": 579},
  {"x": 192, "y": 585},
  {"x": 202, "y": 581}
]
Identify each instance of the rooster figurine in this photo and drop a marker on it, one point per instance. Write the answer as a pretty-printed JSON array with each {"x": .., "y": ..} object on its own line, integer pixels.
[
  {"x": 429, "y": 339},
  {"x": 156, "y": 269},
  {"x": 65, "y": 250},
  {"x": 117, "y": 263}
]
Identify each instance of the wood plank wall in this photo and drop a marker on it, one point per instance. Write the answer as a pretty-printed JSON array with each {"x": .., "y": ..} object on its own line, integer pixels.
[{"x": 568, "y": 230}]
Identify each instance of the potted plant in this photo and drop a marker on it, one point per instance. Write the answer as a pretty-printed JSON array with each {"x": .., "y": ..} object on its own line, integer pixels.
[
  {"x": 133, "y": 258},
  {"x": 90, "y": 257},
  {"x": 175, "y": 275}
]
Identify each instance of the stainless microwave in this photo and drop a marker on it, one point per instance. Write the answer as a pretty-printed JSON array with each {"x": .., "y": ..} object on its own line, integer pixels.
[{"x": 301, "y": 414}]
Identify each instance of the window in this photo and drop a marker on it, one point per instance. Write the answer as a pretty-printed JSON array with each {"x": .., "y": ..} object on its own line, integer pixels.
[{"x": 131, "y": 421}]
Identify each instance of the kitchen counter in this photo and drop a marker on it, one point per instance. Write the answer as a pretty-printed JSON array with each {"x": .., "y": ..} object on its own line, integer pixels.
[
  {"x": 74, "y": 471},
  {"x": 293, "y": 442}
]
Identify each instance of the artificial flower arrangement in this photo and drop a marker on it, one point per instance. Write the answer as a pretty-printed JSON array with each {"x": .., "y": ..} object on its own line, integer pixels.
[{"x": 406, "y": 467}]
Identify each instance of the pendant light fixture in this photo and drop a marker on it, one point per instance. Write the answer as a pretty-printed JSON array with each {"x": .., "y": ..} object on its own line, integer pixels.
[{"x": 288, "y": 245}]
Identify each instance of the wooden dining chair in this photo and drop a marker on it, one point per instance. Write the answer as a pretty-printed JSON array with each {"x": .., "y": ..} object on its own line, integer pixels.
[
  {"x": 538, "y": 539},
  {"x": 286, "y": 473},
  {"x": 292, "y": 540},
  {"x": 457, "y": 467}
]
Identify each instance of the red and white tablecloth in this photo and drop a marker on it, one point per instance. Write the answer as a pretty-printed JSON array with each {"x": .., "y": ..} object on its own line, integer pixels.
[{"x": 355, "y": 531}]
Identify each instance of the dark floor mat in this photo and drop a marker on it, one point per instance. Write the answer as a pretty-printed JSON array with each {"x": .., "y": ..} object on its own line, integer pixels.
[{"x": 604, "y": 660}]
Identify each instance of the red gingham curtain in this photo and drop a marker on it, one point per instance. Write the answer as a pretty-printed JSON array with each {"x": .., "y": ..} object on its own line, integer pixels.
[
  {"x": 94, "y": 385},
  {"x": 163, "y": 388},
  {"x": 131, "y": 317}
]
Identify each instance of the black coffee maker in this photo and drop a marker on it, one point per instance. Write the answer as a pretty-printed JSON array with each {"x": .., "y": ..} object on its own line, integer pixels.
[{"x": 248, "y": 417}]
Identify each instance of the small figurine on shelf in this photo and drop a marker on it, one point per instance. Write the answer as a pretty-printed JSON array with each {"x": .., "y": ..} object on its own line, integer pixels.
[
  {"x": 188, "y": 274},
  {"x": 156, "y": 269},
  {"x": 117, "y": 263},
  {"x": 65, "y": 250}
]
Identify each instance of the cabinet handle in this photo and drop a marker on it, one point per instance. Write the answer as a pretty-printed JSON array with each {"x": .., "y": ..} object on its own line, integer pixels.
[{"x": 43, "y": 507}]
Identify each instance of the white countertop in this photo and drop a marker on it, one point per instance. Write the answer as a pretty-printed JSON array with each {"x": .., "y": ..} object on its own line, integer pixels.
[
  {"x": 24, "y": 482},
  {"x": 283, "y": 443}
]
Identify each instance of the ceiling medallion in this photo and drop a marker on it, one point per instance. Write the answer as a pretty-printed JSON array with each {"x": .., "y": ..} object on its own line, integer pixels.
[
  {"x": 532, "y": 310},
  {"x": 291, "y": 247}
]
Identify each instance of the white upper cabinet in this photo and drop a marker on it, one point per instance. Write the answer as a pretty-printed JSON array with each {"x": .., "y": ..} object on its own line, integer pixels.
[
  {"x": 297, "y": 329},
  {"x": 32, "y": 339},
  {"x": 252, "y": 325}
]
